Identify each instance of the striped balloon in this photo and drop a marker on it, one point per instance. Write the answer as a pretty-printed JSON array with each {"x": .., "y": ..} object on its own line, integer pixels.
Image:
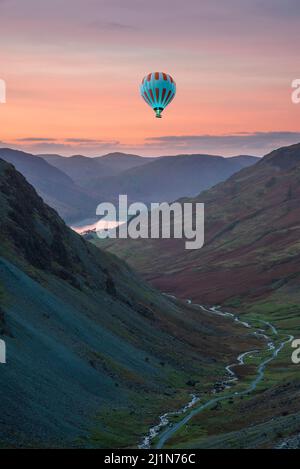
[{"x": 158, "y": 89}]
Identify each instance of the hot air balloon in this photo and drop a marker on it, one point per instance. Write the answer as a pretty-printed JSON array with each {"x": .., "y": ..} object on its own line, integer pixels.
[{"x": 158, "y": 89}]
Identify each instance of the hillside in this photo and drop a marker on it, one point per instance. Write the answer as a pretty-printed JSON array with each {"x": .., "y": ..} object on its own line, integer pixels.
[
  {"x": 54, "y": 186},
  {"x": 171, "y": 177},
  {"x": 251, "y": 238},
  {"x": 94, "y": 355}
]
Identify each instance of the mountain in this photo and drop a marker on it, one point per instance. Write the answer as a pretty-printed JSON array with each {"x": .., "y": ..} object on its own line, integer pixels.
[
  {"x": 94, "y": 355},
  {"x": 54, "y": 186},
  {"x": 74, "y": 186},
  {"x": 251, "y": 244},
  {"x": 148, "y": 179},
  {"x": 90, "y": 172},
  {"x": 170, "y": 177}
]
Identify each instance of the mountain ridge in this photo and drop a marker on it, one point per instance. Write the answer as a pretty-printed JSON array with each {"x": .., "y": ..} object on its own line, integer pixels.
[
  {"x": 75, "y": 185},
  {"x": 170, "y": 177}
]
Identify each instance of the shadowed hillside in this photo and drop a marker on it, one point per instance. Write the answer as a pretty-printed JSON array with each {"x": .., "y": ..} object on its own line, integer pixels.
[{"x": 54, "y": 186}]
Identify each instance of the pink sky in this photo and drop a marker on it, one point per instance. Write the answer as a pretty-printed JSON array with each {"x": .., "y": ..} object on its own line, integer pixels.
[{"x": 73, "y": 67}]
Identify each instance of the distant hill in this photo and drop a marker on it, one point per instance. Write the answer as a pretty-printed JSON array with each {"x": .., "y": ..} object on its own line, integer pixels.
[
  {"x": 148, "y": 179},
  {"x": 54, "y": 186},
  {"x": 123, "y": 161},
  {"x": 245, "y": 160},
  {"x": 74, "y": 186},
  {"x": 94, "y": 355},
  {"x": 170, "y": 177},
  {"x": 90, "y": 172}
]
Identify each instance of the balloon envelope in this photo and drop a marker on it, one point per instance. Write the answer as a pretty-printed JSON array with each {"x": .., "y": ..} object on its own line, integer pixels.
[{"x": 158, "y": 89}]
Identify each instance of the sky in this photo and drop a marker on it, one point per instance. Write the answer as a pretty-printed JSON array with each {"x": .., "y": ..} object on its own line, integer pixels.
[{"x": 73, "y": 67}]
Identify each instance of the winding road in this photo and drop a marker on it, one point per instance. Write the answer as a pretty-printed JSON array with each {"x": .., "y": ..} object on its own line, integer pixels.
[{"x": 170, "y": 430}]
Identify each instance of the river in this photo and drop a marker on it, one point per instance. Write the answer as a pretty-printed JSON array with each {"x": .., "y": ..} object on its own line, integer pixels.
[{"x": 165, "y": 430}]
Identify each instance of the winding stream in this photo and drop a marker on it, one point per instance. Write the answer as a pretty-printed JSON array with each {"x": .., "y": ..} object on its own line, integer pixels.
[{"x": 166, "y": 430}]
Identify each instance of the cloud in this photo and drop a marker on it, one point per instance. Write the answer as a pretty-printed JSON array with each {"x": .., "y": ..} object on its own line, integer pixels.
[
  {"x": 255, "y": 143},
  {"x": 35, "y": 139},
  {"x": 259, "y": 143},
  {"x": 91, "y": 141},
  {"x": 66, "y": 146}
]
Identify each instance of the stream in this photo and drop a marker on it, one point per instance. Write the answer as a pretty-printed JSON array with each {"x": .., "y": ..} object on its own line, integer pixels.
[{"x": 165, "y": 430}]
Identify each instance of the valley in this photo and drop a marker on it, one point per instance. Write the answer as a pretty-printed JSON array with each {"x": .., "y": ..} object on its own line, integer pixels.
[
  {"x": 249, "y": 266},
  {"x": 94, "y": 354},
  {"x": 123, "y": 353}
]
